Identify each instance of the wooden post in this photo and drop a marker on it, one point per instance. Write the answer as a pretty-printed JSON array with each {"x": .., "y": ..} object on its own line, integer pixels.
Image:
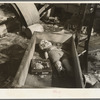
[{"x": 89, "y": 29}]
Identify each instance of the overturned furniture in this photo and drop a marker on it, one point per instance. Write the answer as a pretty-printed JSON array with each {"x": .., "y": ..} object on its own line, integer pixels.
[{"x": 24, "y": 79}]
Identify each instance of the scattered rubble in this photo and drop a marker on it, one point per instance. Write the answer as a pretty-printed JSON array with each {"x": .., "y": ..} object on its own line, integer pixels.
[
  {"x": 90, "y": 79},
  {"x": 94, "y": 63}
]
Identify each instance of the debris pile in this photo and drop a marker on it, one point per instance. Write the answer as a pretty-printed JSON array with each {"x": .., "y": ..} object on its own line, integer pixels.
[{"x": 94, "y": 64}]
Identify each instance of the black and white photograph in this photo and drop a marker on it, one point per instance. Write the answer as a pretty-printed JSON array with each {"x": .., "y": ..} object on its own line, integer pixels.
[{"x": 46, "y": 45}]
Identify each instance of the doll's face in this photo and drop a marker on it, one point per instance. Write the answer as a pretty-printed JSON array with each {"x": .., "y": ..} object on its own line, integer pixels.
[{"x": 44, "y": 44}]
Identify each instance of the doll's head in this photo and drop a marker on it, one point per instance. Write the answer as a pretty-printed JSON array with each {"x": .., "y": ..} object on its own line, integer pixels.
[{"x": 44, "y": 44}]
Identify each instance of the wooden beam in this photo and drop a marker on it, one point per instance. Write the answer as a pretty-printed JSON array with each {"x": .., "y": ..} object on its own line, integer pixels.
[{"x": 22, "y": 72}]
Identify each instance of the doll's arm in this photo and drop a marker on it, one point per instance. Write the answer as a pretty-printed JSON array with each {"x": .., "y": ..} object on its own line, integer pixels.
[{"x": 46, "y": 55}]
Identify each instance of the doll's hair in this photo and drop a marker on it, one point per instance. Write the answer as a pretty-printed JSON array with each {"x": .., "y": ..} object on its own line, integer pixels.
[{"x": 44, "y": 44}]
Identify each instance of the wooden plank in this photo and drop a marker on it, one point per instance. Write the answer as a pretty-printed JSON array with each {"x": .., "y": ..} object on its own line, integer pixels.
[
  {"x": 89, "y": 29},
  {"x": 53, "y": 37},
  {"x": 70, "y": 47},
  {"x": 77, "y": 67},
  {"x": 43, "y": 8},
  {"x": 22, "y": 72}
]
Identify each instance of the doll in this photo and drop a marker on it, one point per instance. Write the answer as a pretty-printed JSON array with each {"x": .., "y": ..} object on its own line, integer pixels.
[
  {"x": 53, "y": 53},
  {"x": 57, "y": 56}
]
